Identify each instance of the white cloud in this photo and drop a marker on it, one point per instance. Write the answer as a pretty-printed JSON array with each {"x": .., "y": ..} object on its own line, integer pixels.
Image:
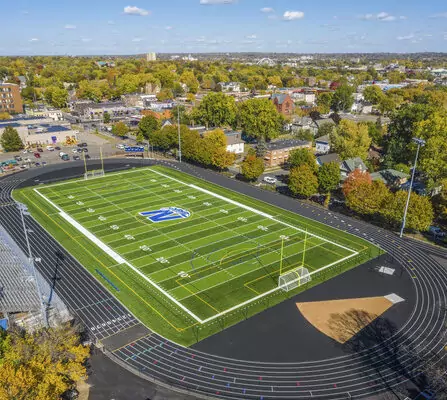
[
  {"x": 293, "y": 15},
  {"x": 137, "y": 39},
  {"x": 406, "y": 37},
  {"x": 267, "y": 10},
  {"x": 34, "y": 40},
  {"x": 209, "y": 2},
  {"x": 439, "y": 15},
  {"x": 134, "y": 10},
  {"x": 382, "y": 16},
  {"x": 168, "y": 28},
  {"x": 251, "y": 37},
  {"x": 68, "y": 26}
]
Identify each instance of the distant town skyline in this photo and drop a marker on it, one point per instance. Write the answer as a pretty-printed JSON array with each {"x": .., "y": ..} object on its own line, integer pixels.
[{"x": 286, "y": 26}]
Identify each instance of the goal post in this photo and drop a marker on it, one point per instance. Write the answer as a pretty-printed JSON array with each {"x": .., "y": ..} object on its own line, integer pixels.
[
  {"x": 95, "y": 173},
  {"x": 294, "y": 278}
]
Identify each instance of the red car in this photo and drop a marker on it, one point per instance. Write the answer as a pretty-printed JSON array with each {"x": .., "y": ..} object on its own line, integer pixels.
[{"x": 37, "y": 155}]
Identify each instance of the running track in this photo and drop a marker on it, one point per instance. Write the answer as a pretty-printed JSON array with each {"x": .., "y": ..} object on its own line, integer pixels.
[{"x": 360, "y": 375}]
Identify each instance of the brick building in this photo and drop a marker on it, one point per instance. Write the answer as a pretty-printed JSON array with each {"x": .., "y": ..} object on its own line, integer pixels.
[
  {"x": 283, "y": 103},
  {"x": 10, "y": 98},
  {"x": 278, "y": 152}
]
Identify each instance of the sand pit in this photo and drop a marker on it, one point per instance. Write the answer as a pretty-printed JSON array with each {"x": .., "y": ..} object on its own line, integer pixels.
[{"x": 343, "y": 319}]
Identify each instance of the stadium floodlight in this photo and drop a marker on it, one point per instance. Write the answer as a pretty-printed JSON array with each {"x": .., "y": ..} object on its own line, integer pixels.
[
  {"x": 179, "y": 138},
  {"x": 24, "y": 211},
  {"x": 293, "y": 279},
  {"x": 60, "y": 257},
  {"x": 420, "y": 143}
]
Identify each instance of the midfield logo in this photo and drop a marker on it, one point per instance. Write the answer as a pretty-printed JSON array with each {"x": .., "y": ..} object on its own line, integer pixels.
[{"x": 166, "y": 214}]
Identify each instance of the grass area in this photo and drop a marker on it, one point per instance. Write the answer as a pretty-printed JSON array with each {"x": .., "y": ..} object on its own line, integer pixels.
[{"x": 202, "y": 259}]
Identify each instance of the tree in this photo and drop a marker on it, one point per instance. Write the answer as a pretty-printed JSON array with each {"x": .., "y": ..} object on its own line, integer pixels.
[
  {"x": 190, "y": 97},
  {"x": 440, "y": 200},
  {"x": 299, "y": 157},
  {"x": 252, "y": 167},
  {"x": 178, "y": 90},
  {"x": 350, "y": 140},
  {"x": 106, "y": 117},
  {"x": 10, "y": 140},
  {"x": 369, "y": 198},
  {"x": 342, "y": 99},
  {"x": 41, "y": 365},
  {"x": 275, "y": 81},
  {"x": 4, "y": 116},
  {"x": 261, "y": 148},
  {"x": 57, "y": 97},
  {"x": 189, "y": 79},
  {"x": 373, "y": 94},
  {"x": 120, "y": 129},
  {"x": 355, "y": 179},
  {"x": 259, "y": 119},
  {"x": 328, "y": 177},
  {"x": 324, "y": 102},
  {"x": 148, "y": 125},
  {"x": 303, "y": 181},
  {"x": 165, "y": 94},
  {"x": 217, "y": 110},
  {"x": 213, "y": 150},
  {"x": 325, "y": 129},
  {"x": 386, "y": 105}
]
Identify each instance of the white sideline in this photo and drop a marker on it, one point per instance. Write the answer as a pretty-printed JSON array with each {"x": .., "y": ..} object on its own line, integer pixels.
[
  {"x": 121, "y": 260},
  {"x": 115, "y": 255}
]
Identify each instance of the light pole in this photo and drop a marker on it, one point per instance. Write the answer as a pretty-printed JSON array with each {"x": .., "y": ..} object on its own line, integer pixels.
[
  {"x": 179, "y": 139},
  {"x": 420, "y": 143},
  {"x": 59, "y": 258},
  {"x": 24, "y": 211}
]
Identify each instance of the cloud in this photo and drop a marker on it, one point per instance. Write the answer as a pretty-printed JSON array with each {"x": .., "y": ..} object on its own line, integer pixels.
[
  {"x": 134, "y": 10},
  {"x": 210, "y": 2},
  {"x": 34, "y": 40},
  {"x": 168, "y": 28},
  {"x": 251, "y": 37},
  {"x": 293, "y": 15},
  {"x": 110, "y": 22},
  {"x": 406, "y": 37},
  {"x": 68, "y": 26},
  {"x": 382, "y": 16},
  {"x": 439, "y": 15},
  {"x": 267, "y": 10},
  {"x": 137, "y": 39}
]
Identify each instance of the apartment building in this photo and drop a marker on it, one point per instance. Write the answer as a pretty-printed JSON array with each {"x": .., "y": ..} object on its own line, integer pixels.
[
  {"x": 278, "y": 152},
  {"x": 10, "y": 98}
]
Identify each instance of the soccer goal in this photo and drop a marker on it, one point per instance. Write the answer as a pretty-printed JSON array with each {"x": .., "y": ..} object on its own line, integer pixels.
[
  {"x": 293, "y": 279},
  {"x": 95, "y": 173}
]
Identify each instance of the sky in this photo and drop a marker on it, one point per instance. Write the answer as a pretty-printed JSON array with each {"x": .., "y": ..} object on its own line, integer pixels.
[{"x": 81, "y": 27}]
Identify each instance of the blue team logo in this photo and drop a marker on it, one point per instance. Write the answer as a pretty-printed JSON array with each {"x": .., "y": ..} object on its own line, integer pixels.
[{"x": 166, "y": 214}]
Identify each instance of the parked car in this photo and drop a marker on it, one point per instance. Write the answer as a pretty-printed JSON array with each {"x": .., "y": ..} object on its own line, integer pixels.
[
  {"x": 50, "y": 148},
  {"x": 75, "y": 150},
  {"x": 85, "y": 150},
  {"x": 83, "y": 144},
  {"x": 436, "y": 231},
  {"x": 120, "y": 146},
  {"x": 18, "y": 158},
  {"x": 37, "y": 164},
  {"x": 76, "y": 158},
  {"x": 57, "y": 148},
  {"x": 37, "y": 155},
  {"x": 44, "y": 163},
  {"x": 270, "y": 179},
  {"x": 65, "y": 157},
  {"x": 61, "y": 154},
  {"x": 87, "y": 157},
  {"x": 40, "y": 150}
]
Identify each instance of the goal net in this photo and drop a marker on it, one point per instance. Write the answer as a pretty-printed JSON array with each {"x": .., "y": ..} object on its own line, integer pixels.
[
  {"x": 293, "y": 279},
  {"x": 96, "y": 173}
]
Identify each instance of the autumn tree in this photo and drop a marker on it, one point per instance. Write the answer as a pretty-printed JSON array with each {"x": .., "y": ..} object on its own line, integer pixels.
[
  {"x": 217, "y": 110},
  {"x": 369, "y": 198},
  {"x": 252, "y": 166},
  {"x": 350, "y": 140},
  {"x": 299, "y": 157},
  {"x": 355, "y": 179},
  {"x": 10, "y": 140},
  {"x": 373, "y": 94},
  {"x": 4, "y": 116},
  {"x": 41, "y": 365},
  {"x": 120, "y": 129},
  {"x": 303, "y": 181},
  {"x": 213, "y": 150},
  {"x": 328, "y": 177},
  {"x": 259, "y": 119},
  {"x": 148, "y": 125}
]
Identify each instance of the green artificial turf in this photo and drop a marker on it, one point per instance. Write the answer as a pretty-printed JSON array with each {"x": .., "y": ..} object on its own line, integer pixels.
[{"x": 188, "y": 278}]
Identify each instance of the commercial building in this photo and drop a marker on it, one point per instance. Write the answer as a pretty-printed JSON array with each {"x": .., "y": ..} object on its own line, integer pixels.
[
  {"x": 10, "y": 98},
  {"x": 151, "y": 57},
  {"x": 278, "y": 152}
]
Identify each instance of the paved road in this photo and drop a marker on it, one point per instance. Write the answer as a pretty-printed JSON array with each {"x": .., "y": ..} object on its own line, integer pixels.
[{"x": 390, "y": 363}]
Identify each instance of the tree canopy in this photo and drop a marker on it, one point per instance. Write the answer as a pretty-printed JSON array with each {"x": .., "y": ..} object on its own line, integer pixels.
[
  {"x": 10, "y": 140},
  {"x": 252, "y": 166},
  {"x": 350, "y": 140},
  {"x": 303, "y": 181},
  {"x": 216, "y": 110},
  {"x": 328, "y": 177}
]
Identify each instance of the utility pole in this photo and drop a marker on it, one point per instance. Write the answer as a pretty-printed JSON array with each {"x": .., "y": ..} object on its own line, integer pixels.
[
  {"x": 24, "y": 211},
  {"x": 420, "y": 143},
  {"x": 179, "y": 138},
  {"x": 59, "y": 258}
]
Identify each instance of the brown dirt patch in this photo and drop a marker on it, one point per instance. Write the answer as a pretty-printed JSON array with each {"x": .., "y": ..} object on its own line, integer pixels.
[{"x": 343, "y": 319}]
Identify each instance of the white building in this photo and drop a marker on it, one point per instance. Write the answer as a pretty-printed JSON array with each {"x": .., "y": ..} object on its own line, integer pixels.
[
  {"x": 53, "y": 113},
  {"x": 234, "y": 87},
  {"x": 151, "y": 57},
  {"x": 307, "y": 97},
  {"x": 323, "y": 145},
  {"x": 235, "y": 144}
]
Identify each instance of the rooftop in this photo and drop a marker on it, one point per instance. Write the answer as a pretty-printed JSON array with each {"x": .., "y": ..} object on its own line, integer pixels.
[
  {"x": 285, "y": 144},
  {"x": 327, "y": 158}
]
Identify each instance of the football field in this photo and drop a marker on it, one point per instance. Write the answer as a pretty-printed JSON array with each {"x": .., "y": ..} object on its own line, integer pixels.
[{"x": 202, "y": 253}]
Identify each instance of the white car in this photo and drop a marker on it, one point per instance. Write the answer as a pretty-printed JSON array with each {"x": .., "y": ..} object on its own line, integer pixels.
[
  {"x": 75, "y": 150},
  {"x": 50, "y": 148},
  {"x": 270, "y": 179}
]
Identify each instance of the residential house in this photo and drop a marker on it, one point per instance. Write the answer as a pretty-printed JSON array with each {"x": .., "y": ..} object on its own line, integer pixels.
[
  {"x": 350, "y": 165},
  {"x": 166, "y": 123},
  {"x": 22, "y": 80},
  {"x": 311, "y": 81},
  {"x": 323, "y": 144},
  {"x": 283, "y": 103},
  {"x": 278, "y": 152},
  {"x": 235, "y": 144},
  {"x": 328, "y": 158},
  {"x": 234, "y": 87},
  {"x": 390, "y": 177},
  {"x": 307, "y": 96}
]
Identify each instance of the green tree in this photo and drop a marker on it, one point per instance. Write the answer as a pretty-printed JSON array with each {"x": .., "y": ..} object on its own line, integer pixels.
[
  {"x": 350, "y": 140},
  {"x": 440, "y": 201},
  {"x": 342, "y": 99},
  {"x": 303, "y": 181},
  {"x": 386, "y": 105},
  {"x": 324, "y": 102},
  {"x": 373, "y": 94},
  {"x": 261, "y": 148},
  {"x": 120, "y": 129},
  {"x": 213, "y": 150},
  {"x": 259, "y": 119},
  {"x": 275, "y": 81},
  {"x": 148, "y": 125},
  {"x": 106, "y": 117},
  {"x": 57, "y": 97},
  {"x": 217, "y": 110},
  {"x": 252, "y": 167},
  {"x": 328, "y": 177},
  {"x": 178, "y": 90},
  {"x": 299, "y": 157},
  {"x": 10, "y": 140},
  {"x": 325, "y": 129},
  {"x": 189, "y": 79},
  {"x": 165, "y": 94}
]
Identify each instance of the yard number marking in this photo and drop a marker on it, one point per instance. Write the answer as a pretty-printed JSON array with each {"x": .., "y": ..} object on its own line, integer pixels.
[
  {"x": 183, "y": 274},
  {"x": 145, "y": 248},
  {"x": 162, "y": 260},
  {"x": 114, "y": 227},
  {"x": 79, "y": 203},
  {"x": 101, "y": 218},
  {"x": 207, "y": 203},
  {"x": 129, "y": 237},
  {"x": 263, "y": 228},
  {"x": 70, "y": 197},
  {"x": 90, "y": 210},
  {"x": 223, "y": 211},
  {"x": 242, "y": 219}
]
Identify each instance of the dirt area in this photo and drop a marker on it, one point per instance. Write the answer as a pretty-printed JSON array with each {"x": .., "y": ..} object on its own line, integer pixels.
[
  {"x": 343, "y": 319},
  {"x": 84, "y": 390}
]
